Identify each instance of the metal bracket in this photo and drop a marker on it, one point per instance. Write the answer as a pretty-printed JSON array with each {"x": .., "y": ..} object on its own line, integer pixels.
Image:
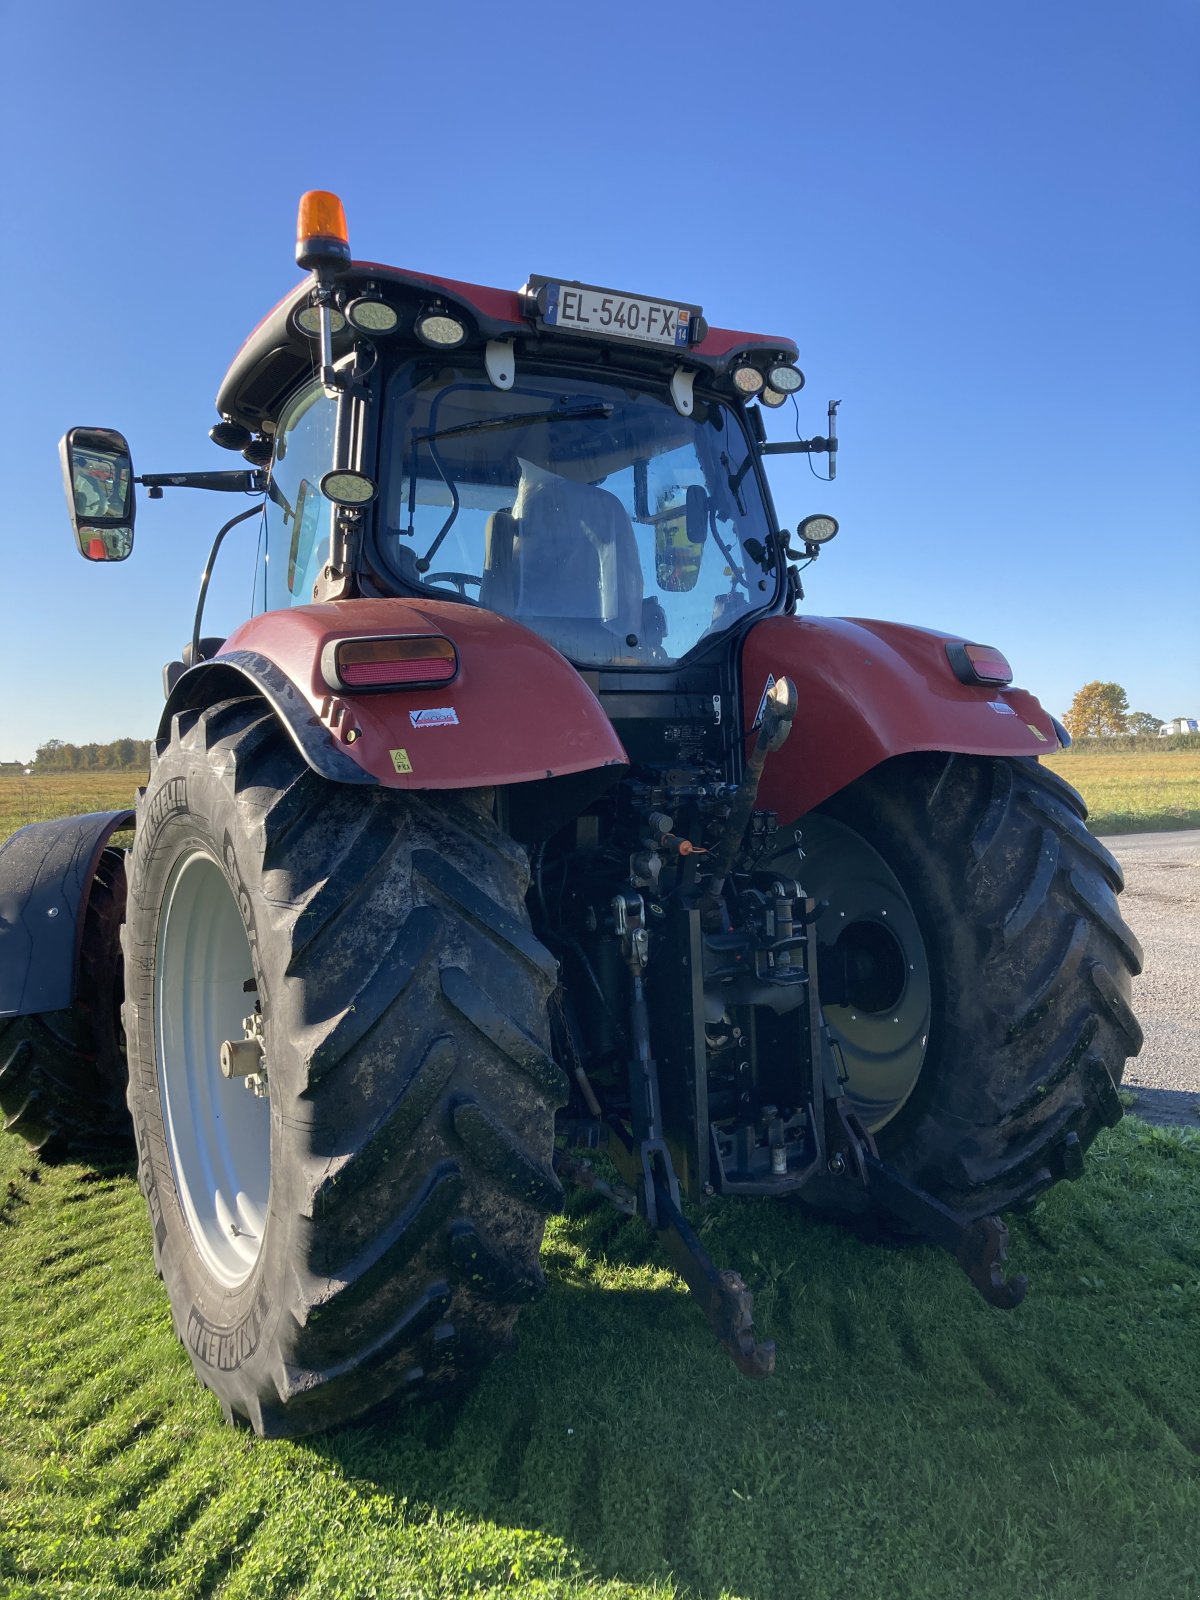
[
  {"x": 681, "y": 390},
  {"x": 499, "y": 362}
]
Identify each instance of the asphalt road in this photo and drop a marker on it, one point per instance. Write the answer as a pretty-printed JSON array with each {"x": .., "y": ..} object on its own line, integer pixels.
[{"x": 1161, "y": 903}]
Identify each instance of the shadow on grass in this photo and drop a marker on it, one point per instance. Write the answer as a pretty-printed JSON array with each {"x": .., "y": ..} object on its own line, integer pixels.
[
  {"x": 1165, "y": 1108},
  {"x": 620, "y": 1428}
]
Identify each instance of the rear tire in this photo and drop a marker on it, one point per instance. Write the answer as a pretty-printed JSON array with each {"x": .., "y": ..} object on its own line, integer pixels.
[
  {"x": 368, "y": 1229},
  {"x": 1013, "y": 930},
  {"x": 62, "y": 1073}
]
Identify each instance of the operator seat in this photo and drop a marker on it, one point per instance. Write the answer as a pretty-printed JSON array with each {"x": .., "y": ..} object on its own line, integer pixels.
[{"x": 565, "y": 562}]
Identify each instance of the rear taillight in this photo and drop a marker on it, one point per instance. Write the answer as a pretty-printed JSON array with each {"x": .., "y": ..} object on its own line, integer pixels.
[
  {"x": 410, "y": 661},
  {"x": 978, "y": 663}
]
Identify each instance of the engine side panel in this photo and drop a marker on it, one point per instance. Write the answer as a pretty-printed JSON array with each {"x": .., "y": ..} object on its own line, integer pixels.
[
  {"x": 868, "y": 691},
  {"x": 516, "y": 712},
  {"x": 46, "y": 872}
]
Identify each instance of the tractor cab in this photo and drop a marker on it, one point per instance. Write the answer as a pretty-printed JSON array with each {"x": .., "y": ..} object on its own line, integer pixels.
[{"x": 580, "y": 460}]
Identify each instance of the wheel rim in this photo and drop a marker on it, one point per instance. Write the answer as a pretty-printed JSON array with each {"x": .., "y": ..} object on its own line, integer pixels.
[
  {"x": 218, "y": 1131},
  {"x": 870, "y": 946}
]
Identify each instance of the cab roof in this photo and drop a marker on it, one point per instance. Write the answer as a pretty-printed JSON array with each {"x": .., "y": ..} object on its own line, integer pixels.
[{"x": 278, "y": 355}]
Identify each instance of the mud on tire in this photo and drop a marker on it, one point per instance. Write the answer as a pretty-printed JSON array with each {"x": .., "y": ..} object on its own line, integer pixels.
[
  {"x": 62, "y": 1073},
  {"x": 409, "y": 1116},
  {"x": 1029, "y": 972}
]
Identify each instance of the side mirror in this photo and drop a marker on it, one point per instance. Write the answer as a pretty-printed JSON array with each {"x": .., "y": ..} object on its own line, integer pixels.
[{"x": 98, "y": 478}]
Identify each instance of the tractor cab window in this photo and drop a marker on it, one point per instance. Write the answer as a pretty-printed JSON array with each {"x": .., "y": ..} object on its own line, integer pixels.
[
  {"x": 295, "y": 540},
  {"x": 590, "y": 511}
]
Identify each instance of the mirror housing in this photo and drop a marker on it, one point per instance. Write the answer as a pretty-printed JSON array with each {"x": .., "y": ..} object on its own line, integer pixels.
[{"x": 98, "y": 478}]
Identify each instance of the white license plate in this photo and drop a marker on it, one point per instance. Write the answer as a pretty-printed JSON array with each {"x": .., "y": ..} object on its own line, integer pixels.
[{"x": 582, "y": 309}]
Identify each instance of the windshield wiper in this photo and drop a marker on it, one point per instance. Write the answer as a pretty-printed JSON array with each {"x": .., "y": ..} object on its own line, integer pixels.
[{"x": 576, "y": 413}]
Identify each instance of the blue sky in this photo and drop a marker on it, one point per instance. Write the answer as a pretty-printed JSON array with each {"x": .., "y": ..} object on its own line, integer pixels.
[{"x": 979, "y": 223}]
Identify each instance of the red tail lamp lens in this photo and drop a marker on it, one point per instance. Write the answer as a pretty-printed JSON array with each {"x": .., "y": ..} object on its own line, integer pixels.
[
  {"x": 979, "y": 663},
  {"x": 396, "y": 663}
]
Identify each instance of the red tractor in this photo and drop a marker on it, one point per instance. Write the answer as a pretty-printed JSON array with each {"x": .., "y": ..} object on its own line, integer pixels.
[{"x": 527, "y": 830}]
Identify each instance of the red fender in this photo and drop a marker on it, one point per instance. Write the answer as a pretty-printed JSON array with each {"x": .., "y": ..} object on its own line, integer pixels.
[
  {"x": 869, "y": 691},
  {"x": 515, "y": 712}
]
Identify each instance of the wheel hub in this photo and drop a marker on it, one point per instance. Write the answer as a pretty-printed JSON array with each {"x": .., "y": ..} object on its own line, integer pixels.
[{"x": 872, "y": 967}]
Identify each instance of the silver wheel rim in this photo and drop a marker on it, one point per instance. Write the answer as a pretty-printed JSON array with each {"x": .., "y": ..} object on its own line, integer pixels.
[
  {"x": 882, "y": 1035},
  {"x": 218, "y": 1131}
]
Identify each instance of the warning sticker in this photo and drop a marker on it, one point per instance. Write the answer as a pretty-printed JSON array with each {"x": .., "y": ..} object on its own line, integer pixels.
[
  {"x": 1037, "y": 732},
  {"x": 400, "y": 760},
  {"x": 434, "y": 717},
  {"x": 762, "y": 704}
]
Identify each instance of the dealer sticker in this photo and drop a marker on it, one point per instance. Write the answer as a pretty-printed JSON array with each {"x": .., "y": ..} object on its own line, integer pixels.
[
  {"x": 1002, "y": 708},
  {"x": 434, "y": 717}
]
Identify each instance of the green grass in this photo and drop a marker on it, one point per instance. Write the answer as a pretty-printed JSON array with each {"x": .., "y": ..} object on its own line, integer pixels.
[
  {"x": 1126, "y": 790},
  {"x": 63, "y": 794},
  {"x": 1134, "y": 791},
  {"x": 915, "y": 1443}
]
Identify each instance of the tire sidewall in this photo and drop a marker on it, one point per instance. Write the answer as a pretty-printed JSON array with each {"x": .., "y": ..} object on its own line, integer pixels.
[{"x": 189, "y": 806}]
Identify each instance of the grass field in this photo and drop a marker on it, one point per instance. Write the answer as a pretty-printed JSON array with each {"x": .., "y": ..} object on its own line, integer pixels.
[
  {"x": 915, "y": 1443},
  {"x": 1126, "y": 791},
  {"x": 1131, "y": 791},
  {"x": 63, "y": 794}
]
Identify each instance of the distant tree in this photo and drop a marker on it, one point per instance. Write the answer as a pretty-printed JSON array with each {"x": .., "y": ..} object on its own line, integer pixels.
[
  {"x": 55, "y": 756},
  {"x": 50, "y": 756},
  {"x": 1099, "y": 710},
  {"x": 1142, "y": 722}
]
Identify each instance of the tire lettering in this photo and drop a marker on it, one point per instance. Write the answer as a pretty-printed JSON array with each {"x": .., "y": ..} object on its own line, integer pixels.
[
  {"x": 168, "y": 800},
  {"x": 227, "y": 1348}
]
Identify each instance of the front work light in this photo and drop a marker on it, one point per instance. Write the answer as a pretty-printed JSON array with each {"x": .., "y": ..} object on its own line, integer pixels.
[
  {"x": 372, "y": 314},
  {"x": 771, "y": 397},
  {"x": 786, "y": 379},
  {"x": 322, "y": 240},
  {"x": 817, "y": 529},
  {"x": 404, "y": 662},
  {"x": 348, "y": 488},
  {"x": 308, "y": 320},
  {"x": 438, "y": 328},
  {"x": 747, "y": 380}
]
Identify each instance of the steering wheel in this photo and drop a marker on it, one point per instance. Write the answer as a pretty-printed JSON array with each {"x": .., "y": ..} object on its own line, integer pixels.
[{"x": 460, "y": 580}]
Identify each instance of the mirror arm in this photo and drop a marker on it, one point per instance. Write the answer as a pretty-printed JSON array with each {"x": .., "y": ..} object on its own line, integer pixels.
[
  {"x": 809, "y": 447},
  {"x": 254, "y": 482}
]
